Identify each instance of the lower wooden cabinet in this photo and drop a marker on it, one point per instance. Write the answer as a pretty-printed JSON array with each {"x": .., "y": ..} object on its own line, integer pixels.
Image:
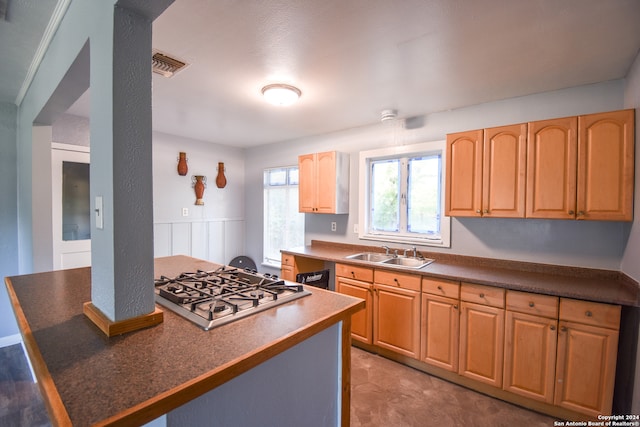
[
  {"x": 586, "y": 362},
  {"x": 287, "y": 268},
  {"x": 440, "y": 327},
  {"x": 362, "y": 321},
  {"x": 396, "y": 320}
]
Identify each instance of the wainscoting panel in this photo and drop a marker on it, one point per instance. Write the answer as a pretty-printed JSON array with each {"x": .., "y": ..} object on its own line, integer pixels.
[{"x": 216, "y": 240}]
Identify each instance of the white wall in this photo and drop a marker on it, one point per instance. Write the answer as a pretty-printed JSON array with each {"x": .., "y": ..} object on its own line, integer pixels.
[
  {"x": 587, "y": 244},
  {"x": 214, "y": 231}
]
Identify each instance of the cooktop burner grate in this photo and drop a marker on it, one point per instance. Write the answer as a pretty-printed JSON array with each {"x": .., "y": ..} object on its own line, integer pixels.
[{"x": 214, "y": 298}]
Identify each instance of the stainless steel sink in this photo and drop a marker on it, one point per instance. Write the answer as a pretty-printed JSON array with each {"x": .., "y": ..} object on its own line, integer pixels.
[
  {"x": 398, "y": 261},
  {"x": 370, "y": 256},
  {"x": 409, "y": 262}
]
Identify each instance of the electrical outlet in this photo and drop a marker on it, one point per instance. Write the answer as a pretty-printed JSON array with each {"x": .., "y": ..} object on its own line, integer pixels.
[
  {"x": 334, "y": 226},
  {"x": 185, "y": 211}
]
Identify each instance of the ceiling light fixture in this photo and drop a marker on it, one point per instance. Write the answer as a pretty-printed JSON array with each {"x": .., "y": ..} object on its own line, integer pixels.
[
  {"x": 281, "y": 94},
  {"x": 387, "y": 115}
]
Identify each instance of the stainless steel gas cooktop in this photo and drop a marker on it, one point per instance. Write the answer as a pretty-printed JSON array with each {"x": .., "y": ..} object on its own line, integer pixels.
[{"x": 214, "y": 298}]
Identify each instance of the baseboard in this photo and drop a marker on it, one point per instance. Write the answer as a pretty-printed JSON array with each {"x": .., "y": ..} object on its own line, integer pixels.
[{"x": 10, "y": 340}]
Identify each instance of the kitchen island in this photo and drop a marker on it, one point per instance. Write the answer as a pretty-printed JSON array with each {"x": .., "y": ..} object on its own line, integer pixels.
[{"x": 87, "y": 378}]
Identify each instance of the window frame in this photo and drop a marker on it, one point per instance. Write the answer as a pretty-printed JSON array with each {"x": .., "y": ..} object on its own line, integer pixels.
[
  {"x": 398, "y": 152},
  {"x": 266, "y": 261}
]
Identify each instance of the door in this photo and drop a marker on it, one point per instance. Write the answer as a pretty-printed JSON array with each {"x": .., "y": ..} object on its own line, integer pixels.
[
  {"x": 396, "y": 320},
  {"x": 71, "y": 213},
  {"x": 440, "y": 331},
  {"x": 464, "y": 174},
  {"x": 362, "y": 321}
]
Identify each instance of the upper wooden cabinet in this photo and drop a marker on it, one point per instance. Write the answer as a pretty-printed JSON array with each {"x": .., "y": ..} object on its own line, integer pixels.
[
  {"x": 486, "y": 172},
  {"x": 581, "y": 167},
  {"x": 551, "y": 168},
  {"x": 324, "y": 183},
  {"x": 576, "y": 168},
  {"x": 605, "y": 166}
]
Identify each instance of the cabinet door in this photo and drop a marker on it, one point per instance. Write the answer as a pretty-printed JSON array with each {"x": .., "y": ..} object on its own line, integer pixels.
[
  {"x": 306, "y": 182},
  {"x": 530, "y": 355},
  {"x": 287, "y": 273},
  {"x": 585, "y": 369},
  {"x": 504, "y": 167},
  {"x": 605, "y": 166},
  {"x": 481, "y": 343},
  {"x": 464, "y": 174},
  {"x": 440, "y": 331},
  {"x": 362, "y": 321},
  {"x": 396, "y": 320},
  {"x": 551, "y": 168},
  {"x": 326, "y": 182}
]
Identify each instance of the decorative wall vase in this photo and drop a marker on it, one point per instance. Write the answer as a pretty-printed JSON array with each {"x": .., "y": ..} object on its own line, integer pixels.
[
  {"x": 182, "y": 164},
  {"x": 199, "y": 184},
  {"x": 221, "y": 181}
]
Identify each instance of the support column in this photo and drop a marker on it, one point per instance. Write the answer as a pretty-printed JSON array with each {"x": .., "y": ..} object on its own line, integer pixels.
[{"x": 122, "y": 290}]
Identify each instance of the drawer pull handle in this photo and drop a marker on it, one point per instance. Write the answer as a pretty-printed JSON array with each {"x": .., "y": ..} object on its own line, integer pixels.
[
  {"x": 396, "y": 280},
  {"x": 439, "y": 287},
  {"x": 481, "y": 295},
  {"x": 588, "y": 313},
  {"x": 455, "y": 307},
  {"x": 552, "y": 327},
  {"x": 563, "y": 329},
  {"x": 477, "y": 210},
  {"x": 531, "y": 304}
]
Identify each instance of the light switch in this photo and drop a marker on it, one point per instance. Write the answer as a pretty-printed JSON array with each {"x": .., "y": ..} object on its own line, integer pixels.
[{"x": 99, "y": 213}]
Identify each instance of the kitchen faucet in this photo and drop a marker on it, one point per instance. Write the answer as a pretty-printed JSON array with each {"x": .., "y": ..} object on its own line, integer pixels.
[
  {"x": 386, "y": 248},
  {"x": 415, "y": 251}
]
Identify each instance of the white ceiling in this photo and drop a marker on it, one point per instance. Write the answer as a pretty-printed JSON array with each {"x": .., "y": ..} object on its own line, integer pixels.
[{"x": 354, "y": 58}]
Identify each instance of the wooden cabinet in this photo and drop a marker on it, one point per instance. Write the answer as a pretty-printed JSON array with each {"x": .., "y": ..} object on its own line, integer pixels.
[
  {"x": 530, "y": 345},
  {"x": 605, "y": 166},
  {"x": 486, "y": 172},
  {"x": 396, "y": 312},
  {"x": 552, "y": 147},
  {"x": 581, "y": 167},
  {"x": 287, "y": 267},
  {"x": 587, "y": 352},
  {"x": 291, "y": 265},
  {"x": 481, "y": 333},
  {"x": 357, "y": 282},
  {"x": 323, "y": 183},
  {"x": 440, "y": 327}
]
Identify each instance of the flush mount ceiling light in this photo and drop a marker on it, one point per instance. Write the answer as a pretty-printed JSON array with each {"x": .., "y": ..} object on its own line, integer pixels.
[{"x": 281, "y": 94}]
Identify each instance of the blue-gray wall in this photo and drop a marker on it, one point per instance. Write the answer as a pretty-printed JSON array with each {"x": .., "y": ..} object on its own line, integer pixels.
[{"x": 8, "y": 213}]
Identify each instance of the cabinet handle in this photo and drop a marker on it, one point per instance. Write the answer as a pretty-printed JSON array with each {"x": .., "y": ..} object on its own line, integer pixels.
[
  {"x": 455, "y": 306},
  {"x": 481, "y": 295},
  {"x": 396, "y": 280},
  {"x": 531, "y": 304},
  {"x": 580, "y": 213},
  {"x": 486, "y": 211},
  {"x": 588, "y": 313},
  {"x": 353, "y": 274},
  {"x": 563, "y": 329},
  {"x": 571, "y": 212},
  {"x": 439, "y": 287},
  {"x": 478, "y": 211},
  {"x": 552, "y": 327}
]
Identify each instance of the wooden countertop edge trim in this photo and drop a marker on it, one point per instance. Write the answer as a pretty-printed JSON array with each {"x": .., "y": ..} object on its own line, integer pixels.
[
  {"x": 53, "y": 401},
  {"x": 171, "y": 399}
]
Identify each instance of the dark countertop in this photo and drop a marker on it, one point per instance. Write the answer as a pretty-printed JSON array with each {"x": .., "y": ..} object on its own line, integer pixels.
[
  {"x": 572, "y": 282},
  {"x": 88, "y": 378}
]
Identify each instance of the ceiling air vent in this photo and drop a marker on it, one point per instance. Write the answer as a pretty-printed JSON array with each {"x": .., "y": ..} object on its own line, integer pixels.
[{"x": 166, "y": 65}]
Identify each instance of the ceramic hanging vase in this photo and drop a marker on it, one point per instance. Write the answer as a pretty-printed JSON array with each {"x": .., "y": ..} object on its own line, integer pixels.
[
  {"x": 182, "y": 164},
  {"x": 199, "y": 184},
  {"x": 221, "y": 180}
]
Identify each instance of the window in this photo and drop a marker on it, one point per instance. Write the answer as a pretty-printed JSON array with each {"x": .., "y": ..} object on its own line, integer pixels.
[
  {"x": 283, "y": 224},
  {"x": 402, "y": 195}
]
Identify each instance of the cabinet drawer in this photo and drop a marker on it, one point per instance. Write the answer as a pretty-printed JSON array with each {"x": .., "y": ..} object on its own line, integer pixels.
[
  {"x": 391, "y": 278},
  {"x": 538, "y": 305},
  {"x": 354, "y": 272},
  {"x": 445, "y": 288},
  {"x": 479, "y": 294},
  {"x": 590, "y": 313},
  {"x": 287, "y": 260}
]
